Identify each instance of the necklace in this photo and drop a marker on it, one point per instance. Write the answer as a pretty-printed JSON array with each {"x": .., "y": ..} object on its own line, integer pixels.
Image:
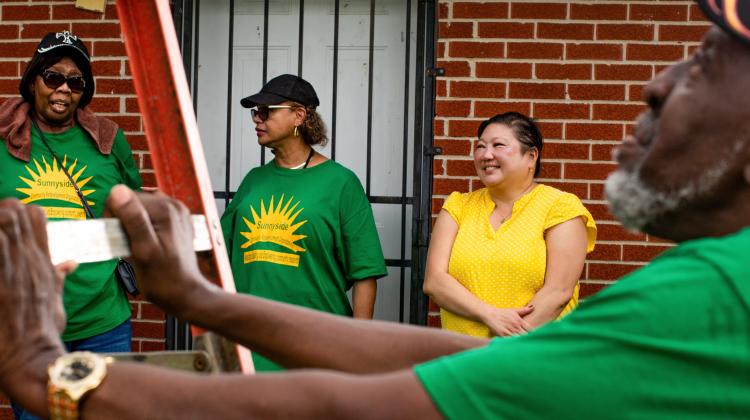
[{"x": 304, "y": 164}]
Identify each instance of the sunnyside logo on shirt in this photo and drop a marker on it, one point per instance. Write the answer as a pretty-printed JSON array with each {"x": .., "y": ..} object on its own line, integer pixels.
[
  {"x": 49, "y": 182},
  {"x": 276, "y": 225}
]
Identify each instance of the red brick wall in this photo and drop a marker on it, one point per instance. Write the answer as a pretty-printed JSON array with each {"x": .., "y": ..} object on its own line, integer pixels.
[
  {"x": 22, "y": 25},
  {"x": 578, "y": 67}
]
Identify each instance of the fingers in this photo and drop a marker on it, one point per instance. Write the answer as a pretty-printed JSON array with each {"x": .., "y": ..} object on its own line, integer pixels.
[
  {"x": 38, "y": 219},
  {"x": 63, "y": 269},
  {"x": 123, "y": 204},
  {"x": 525, "y": 310}
]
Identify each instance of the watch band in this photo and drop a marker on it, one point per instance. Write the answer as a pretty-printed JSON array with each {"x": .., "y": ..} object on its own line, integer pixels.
[{"x": 71, "y": 377}]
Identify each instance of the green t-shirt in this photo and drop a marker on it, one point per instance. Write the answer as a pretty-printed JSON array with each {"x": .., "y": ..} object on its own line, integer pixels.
[
  {"x": 671, "y": 340},
  {"x": 94, "y": 302},
  {"x": 302, "y": 236}
]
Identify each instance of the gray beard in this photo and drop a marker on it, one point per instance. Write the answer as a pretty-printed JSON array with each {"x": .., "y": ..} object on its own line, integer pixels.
[{"x": 637, "y": 205}]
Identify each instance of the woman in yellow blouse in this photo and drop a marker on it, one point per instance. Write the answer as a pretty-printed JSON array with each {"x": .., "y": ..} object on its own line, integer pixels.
[{"x": 507, "y": 258}]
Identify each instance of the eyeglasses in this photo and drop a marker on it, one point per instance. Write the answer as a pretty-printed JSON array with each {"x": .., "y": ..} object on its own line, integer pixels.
[
  {"x": 54, "y": 80},
  {"x": 263, "y": 112}
]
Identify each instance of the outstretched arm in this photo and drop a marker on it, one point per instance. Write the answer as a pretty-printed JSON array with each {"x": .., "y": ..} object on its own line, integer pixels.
[{"x": 160, "y": 234}]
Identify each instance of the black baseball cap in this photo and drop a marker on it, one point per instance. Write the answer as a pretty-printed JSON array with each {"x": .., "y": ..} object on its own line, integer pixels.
[
  {"x": 733, "y": 16},
  {"x": 286, "y": 87},
  {"x": 59, "y": 44}
]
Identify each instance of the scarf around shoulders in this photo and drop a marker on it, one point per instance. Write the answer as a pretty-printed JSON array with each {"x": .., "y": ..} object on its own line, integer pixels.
[{"x": 15, "y": 128}]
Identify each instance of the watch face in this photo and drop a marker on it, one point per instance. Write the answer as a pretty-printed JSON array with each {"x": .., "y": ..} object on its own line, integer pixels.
[{"x": 77, "y": 370}]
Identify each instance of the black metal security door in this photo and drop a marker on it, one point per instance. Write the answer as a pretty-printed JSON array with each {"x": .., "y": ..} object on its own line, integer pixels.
[{"x": 406, "y": 200}]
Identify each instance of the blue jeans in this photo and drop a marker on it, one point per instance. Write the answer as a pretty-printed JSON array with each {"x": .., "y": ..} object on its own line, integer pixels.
[{"x": 116, "y": 340}]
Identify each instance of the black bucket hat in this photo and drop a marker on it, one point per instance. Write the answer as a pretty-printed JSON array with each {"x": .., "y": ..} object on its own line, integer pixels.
[
  {"x": 286, "y": 87},
  {"x": 731, "y": 15},
  {"x": 59, "y": 44}
]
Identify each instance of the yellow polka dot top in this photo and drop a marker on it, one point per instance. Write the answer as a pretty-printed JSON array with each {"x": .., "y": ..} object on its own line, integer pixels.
[{"x": 506, "y": 267}]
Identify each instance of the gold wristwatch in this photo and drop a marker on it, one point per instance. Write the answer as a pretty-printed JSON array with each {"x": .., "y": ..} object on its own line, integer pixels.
[{"x": 70, "y": 378}]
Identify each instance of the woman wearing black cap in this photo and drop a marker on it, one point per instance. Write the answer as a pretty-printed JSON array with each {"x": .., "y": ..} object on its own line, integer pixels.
[
  {"x": 47, "y": 132},
  {"x": 300, "y": 228}
]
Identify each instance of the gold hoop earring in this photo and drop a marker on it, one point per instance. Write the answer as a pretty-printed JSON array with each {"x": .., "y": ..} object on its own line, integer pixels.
[{"x": 296, "y": 131}]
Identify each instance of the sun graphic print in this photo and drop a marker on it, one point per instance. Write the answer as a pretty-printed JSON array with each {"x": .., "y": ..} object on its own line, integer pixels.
[
  {"x": 49, "y": 182},
  {"x": 275, "y": 224}
]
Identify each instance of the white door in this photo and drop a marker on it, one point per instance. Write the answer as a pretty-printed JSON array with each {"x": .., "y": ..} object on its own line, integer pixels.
[{"x": 227, "y": 131}]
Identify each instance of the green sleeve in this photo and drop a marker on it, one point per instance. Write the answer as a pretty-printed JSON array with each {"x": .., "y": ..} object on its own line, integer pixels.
[
  {"x": 645, "y": 345},
  {"x": 126, "y": 161},
  {"x": 359, "y": 251}
]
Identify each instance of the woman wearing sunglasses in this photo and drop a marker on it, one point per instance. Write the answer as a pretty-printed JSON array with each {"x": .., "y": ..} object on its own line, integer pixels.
[
  {"x": 57, "y": 151},
  {"x": 300, "y": 228}
]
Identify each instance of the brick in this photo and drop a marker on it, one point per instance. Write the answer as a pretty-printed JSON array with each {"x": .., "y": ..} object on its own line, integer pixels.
[
  {"x": 488, "y": 109},
  {"x": 456, "y": 30},
  {"x": 114, "y": 86},
  {"x": 656, "y": 240},
  {"x": 453, "y": 108},
  {"x": 9, "y": 31},
  {"x": 506, "y": 30},
  {"x": 461, "y": 89},
  {"x": 561, "y": 111},
  {"x": 433, "y": 321},
  {"x": 468, "y": 49},
  {"x": 588, "y": 171},
  {"x": 137, "y": 141},
  {"x": 654, "y": 52},
  {"x": 606, "y": 252},
  {"x": 148, "y": 329},
  {"x": 97, "y": 30},
  {"x": 441, "y": 49},
  {"x": 596, "y": 51},
  {"x": 682, "y": 33},
  {"x": 536, "y": 90},
  {"x": 463, "y": 128},
  {"x": 602, "y": 152},
  {"x": 642, "y": 253},
  {"x": 152, "y": 346},
  {"x": 624, "y": 32},
  {"x": 595, "y": 92},
  {"x": 438, "y": 167},
  {"x": 149, "y": 179},
  {"x": 598, "y": 11},
  {"x": 563, "y": 71},
  {"x": 538, "y": 10},
  {"x": 109, "y": 48},
  {"x": 455, "y": 68},
  {"x": 623, "y": 72},
  {"x": 579, "y": 189},
  {"x": 151, "y": 312},
  {"x": 445, "y": 186},
  {"x": 551, "y": 170},
  {"x": 25, "y": 13},
  {"x": 110, "y": 12},
  {"x": 550, "y": 130},
  {"x": 127, "y": 123},
  {"x": 610, "y": 271},
  {"x": 102, "y": 104},
  {"x": 615, "y": 232},
  {"x": 433, "y": 307},
  {"x": 9, "y": 69},
  {"x": 147, "y": 162},
  {"x": 460, "y": 167},
  {"x": 504, "y": 70},
  {"x": 656, "y": 12},
  {"x": 22, "y": 50},
  {"x": 593, "y": 131},
  {"x": 589, "y": 289},
  {"x": 442, "y": 11},
  {"x": 454, "y": 147},
  {"x": 540, "y": 50},
  {"x": 596, "y": 191},
  {"x": 67, "y": 12},
  {"x": 438, "y": 127},
  {"x": 635, "y": 92},
  {"x": 441, "y": 88},
  {"x": 36, "y": 31},
  {"x": 572, "y": 31},
  {"x": 9, "y": 87},
  {"x": 474, "y": 10},
  {"x": 617, "y": 112},
  {"x": 565, "y": 151},
  {"x": 600, "y": 212},
  {"x": 106, "y": 67},
  {"x": 696, "y": 14}
]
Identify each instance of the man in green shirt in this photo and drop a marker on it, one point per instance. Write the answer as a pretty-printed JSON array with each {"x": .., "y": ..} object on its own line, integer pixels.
[{"x": 669, "y": 341}]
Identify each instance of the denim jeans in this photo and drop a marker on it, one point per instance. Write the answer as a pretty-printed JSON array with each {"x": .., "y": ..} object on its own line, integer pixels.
[{"x": 115, "y": 340}]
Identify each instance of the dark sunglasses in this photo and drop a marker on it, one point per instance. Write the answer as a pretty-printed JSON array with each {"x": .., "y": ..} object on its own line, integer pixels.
[
  {"x": 54, "y": 80},
  {"x": 264, "y": 111}
]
